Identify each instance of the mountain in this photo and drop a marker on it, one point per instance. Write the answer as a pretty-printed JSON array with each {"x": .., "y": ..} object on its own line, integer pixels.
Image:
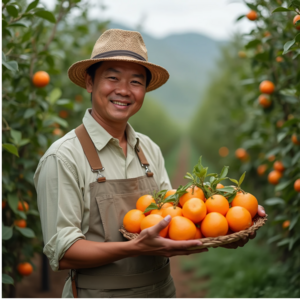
[{"x": 189, "y": 58}]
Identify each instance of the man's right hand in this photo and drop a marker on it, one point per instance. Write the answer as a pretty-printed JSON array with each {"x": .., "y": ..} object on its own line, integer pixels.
[{"x": 149, "y": 242}]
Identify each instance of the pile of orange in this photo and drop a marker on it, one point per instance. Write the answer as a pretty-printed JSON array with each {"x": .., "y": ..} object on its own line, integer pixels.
[{"x": 195, "y": 217}]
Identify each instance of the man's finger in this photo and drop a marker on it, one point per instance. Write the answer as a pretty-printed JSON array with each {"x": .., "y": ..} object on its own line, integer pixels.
[{"x": 261, "y": 211}]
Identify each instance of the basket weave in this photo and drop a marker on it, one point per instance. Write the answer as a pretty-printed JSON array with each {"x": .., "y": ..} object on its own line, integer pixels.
[{"x": 215, "y": 241}]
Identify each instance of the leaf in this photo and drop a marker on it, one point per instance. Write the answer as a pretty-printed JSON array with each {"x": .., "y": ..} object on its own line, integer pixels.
[
  {"x": 230, "y": 198},
  {"x": 224, "y": 172},
  {"x": 13, "y": 201},
  {"x": 47, "y": 15},
  {"x": 283, "y": 242},
  {"x": 26, "y": 36},
  {"x": 26, "y": 232},
  {"x": 16, "y": 135},
  {"x": 12, "y": 10},
  {"x": 288, "y": 45},
  {"x": 252, "y": 44},
  {"x": 7, "y": 232},
  {"x": 296, "y": 158},
  {"x": 281, "y": 136},
  {"x": 240, "y": 17},
  {"x": 42, "y": 140},
  {"x": 11, "y": 148},
  {"x": 227, "y": 189},
  {"x": 281, "y": 186},
  {"x": 234, "y": 181},
  {"x": 11, "y": 65},
  {"x": 280, "y": 9},
  {"x": 24, "y": 142},
  {"x": 54, "y": 95},
  {"x": 151, "y": 207},
  {"x": 274, "y": 201},
  {"x": 32, "y": 5},
  {"x": 274, "y": 239},
  {"x": 212, "y": 174},
  {"x": 242, "y": 178},
  {"x": 18, "y": 24},
  {"x": 293, "y": 222},
  {"x": 6, "y": 279},
  {"x": 29, "y": 112}
]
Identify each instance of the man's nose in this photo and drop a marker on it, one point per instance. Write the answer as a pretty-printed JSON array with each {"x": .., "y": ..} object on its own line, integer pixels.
[{"x": 123, "y": 88}]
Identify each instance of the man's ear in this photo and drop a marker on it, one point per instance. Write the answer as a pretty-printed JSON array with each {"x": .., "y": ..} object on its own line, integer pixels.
[{"x": 88, "y": 83}]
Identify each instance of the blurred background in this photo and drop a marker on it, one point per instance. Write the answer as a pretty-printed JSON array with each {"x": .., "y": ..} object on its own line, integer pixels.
[{"x": 217, "y": 53}]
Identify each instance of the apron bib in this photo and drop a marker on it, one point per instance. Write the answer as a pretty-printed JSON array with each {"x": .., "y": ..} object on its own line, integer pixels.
[{"x": 131, "y": 277}]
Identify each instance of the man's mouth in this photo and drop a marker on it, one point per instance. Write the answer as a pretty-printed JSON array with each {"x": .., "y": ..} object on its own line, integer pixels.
[{"x": 119, "y": 103}]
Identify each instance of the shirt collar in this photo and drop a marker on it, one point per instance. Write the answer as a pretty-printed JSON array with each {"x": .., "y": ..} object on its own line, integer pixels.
[{"x": 101, "y": 137}]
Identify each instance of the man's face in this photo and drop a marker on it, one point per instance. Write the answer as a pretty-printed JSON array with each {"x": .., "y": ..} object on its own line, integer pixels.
[{"x": 118, "y": 90}]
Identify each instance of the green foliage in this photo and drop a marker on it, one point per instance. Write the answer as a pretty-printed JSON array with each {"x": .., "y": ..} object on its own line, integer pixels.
[{"x": 232, "y": 117}]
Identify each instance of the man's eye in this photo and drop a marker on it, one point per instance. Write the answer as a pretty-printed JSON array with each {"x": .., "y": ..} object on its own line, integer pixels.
[
  {"x": 137, "y": 82},
  {"x": 112, "y": 77}
]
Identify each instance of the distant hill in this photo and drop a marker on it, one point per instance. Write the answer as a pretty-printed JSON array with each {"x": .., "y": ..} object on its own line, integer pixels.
[{"x": 189, "y": 58}]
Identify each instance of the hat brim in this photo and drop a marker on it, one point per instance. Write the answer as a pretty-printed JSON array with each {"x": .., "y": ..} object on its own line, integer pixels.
[{"x": 78, "y": 70}]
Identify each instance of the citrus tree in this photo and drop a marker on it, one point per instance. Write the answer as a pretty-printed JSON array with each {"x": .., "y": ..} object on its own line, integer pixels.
[{"x": 37, "y": 101}]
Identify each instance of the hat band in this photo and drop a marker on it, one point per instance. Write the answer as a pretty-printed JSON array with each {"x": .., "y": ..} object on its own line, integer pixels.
[{"x": 119, "y": 53}]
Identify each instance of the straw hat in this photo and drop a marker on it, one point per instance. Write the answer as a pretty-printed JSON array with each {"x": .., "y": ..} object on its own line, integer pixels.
[{"x": 119, "y": 45}]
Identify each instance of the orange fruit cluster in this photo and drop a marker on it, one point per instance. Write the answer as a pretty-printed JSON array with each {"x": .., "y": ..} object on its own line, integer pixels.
[
  {"x": 275, "y": 175},
  {"x": 195, "y": 217}
]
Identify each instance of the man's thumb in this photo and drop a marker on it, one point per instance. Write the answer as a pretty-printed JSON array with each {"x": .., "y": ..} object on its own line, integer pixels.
[{"x": 162, "y": 224}]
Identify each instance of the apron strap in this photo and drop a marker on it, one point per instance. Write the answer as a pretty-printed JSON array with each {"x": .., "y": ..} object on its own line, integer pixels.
[
  {"x": 143, "y": 160},
  {"x": 90, "y": 151}
]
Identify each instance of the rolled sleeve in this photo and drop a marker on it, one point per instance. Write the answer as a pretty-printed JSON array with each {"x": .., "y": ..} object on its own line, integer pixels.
[{"x": 60, "y": 204}]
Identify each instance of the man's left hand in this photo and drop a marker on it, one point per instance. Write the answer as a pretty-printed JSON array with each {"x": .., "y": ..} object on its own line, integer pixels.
[{"x": 240, "y": 243}]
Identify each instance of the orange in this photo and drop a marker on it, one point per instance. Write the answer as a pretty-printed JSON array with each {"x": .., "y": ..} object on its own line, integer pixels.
[
  {"x": 132, "y": 220},
  {"x": 166, "y": 205},
  {"x": 181, "y": 228},
  {"x": 20, "y": 206},
  {"x": 198, "y": 234},
  {"x": 238, "y": 218},
  {"x": 267, "y": 33},
  {"x": 223, "y": 151},
  {"x": 279, "y": 59},
  {"x": 261, "y": 170},
  {"x": 63, "y": 114},
  {"x": 296, "y": 18},
  {"x": 214, "y": 224},
  {"x": 156, "y": 212},
  {"x": 271, "y": 158},
  {"x": 252, "y": 15},
  {"x": 58, "y": 132},
  {"x": 247, "y": 201},
  {"x": 264, "y": 101},
  {"x": 3, "y": 204},
  {"x": 198, "y": 193},
  {"x": 279, "y": 123},
  {"x": 220, "y": 186},
  {"x": 286, "y": 224},
  {"x": 274, "y": 177},
  {"x": 295, "y": 139},
  {"x": 20, "y": 223},
  {"x": 267, "y": 87},
  {"x": 172, "y": 211},
  {"x": 25, "y": 269},
  {"x": 195, "y": 210},
  {"x": 241, "y": 154},
  {"x": 278, "y": 166},
  {"x": 297, "y": 185},
  {"x": 143, "y": 202},
  {"x": 41, "y": 79},
  {"x": 169, "y": 193},
  {"x": 152, "y": 220},
  {"x": 217, "y": 203}
]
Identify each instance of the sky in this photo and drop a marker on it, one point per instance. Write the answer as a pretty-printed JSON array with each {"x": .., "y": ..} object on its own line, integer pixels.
[{"x": 159, "y": 18}]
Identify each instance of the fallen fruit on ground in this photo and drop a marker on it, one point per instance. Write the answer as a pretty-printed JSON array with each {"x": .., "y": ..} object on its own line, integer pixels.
[
  {"x": 217, "y": 203},
  {"x": 274, "y": 177},
  {"x": 252, "y": 15},
  {"x": 297, "y": 185},
  {"x": 132, "y": 220},
  {"x": 25, "y": 269},
  {"x": 214, "y": 224},
  {"x": 267, "y": 87},
  {"x": 195, "y": 210},
  {"x": 41, "y": 79},
  {"x": 181, "y": 228},
  {"x": 152, "y": 220},
  {"x": 143, "y": 202},
  {"x": 191, "y": 193},
  {"x": 247, "y": 201},
  {"x": 238, "y": 218}
]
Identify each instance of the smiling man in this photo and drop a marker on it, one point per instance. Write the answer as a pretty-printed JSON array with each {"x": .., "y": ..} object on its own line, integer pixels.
[{"x": 90, "y": 178}]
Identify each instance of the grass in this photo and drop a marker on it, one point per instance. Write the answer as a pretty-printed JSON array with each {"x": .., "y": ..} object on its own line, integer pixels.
[{"x": 253, "y": 271}]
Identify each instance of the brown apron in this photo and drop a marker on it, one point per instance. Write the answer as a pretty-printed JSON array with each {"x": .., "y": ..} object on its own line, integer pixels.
[{"x": 131, "y": 277}]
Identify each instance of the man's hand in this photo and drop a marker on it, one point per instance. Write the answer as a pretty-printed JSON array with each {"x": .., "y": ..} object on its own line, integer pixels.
[
  {"x": 261, "y": 212},
  {"x": 150, "y": 243}
]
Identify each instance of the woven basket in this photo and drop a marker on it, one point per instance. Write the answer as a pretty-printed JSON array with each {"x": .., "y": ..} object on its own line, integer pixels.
[{"x": 216, "y": 241}]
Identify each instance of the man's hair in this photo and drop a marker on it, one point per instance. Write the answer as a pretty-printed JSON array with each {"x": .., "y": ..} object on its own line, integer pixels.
[{"x": 91, "y": 70}]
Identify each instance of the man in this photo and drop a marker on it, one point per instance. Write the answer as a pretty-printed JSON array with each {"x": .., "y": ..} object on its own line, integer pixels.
[{"x": 91, "y": 177}]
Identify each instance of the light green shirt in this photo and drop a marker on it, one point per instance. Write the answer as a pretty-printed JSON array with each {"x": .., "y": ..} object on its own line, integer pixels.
[{"x": 63, "y": 176}]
